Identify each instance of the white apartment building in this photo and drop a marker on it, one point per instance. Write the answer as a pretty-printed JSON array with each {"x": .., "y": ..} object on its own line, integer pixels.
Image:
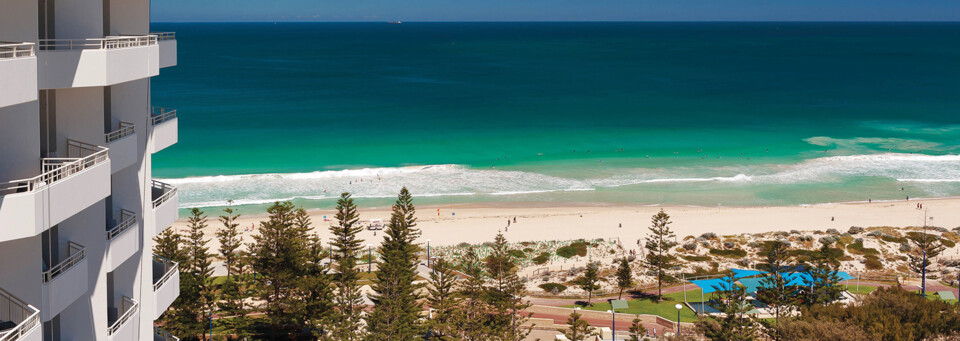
[{"x": 78, "y": 205}]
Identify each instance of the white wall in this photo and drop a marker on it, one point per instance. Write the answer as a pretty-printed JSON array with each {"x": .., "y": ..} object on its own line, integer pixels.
[
  {"x": 78, "y": 19},
  {"x": 22, "y": 277},
  {"x": 18, "y": 81},
  {"x": 79, "y": 116},
  {"x": 20, "y": 138},
  {"x": 88, "y": 228},
  {"x": 129, "y": 17},
  {"x": 18, "y": 20}
]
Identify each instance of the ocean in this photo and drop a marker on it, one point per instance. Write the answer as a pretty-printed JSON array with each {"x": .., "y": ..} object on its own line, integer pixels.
[{"x": 734, "y": 114}]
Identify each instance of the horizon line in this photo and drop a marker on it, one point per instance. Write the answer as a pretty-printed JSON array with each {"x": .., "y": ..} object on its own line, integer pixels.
[{"x": 558, "y": 21}]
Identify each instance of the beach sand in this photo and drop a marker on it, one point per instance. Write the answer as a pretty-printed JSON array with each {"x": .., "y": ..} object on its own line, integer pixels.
[{"x": 541, "y": 221}]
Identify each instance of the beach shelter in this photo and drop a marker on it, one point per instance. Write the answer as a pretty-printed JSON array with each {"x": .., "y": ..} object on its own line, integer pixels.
[
  {"x": 753, "y": 284},
  {"x": 946, "y": 295},
  {"x": 711, "y": 285},
  {"x": 740, "y": 273}
]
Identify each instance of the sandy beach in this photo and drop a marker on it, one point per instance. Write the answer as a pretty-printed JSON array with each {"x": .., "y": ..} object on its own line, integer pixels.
[{"x": 536, "y": 221}]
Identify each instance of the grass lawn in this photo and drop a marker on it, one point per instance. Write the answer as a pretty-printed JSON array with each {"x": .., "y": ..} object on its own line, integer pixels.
[
  {"x": 663, "y": 309},
  {"x": 864, "y": 289}
]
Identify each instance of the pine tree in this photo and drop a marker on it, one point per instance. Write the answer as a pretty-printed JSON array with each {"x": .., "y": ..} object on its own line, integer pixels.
[
  {"x": 925, "y": 248},
  {"x": 474, "y": 321},
  {"x": 637, "y": 330},
  {"x": 347, "y": 319},
  {"x": 590, "y": 281},
  {"x": 734, "y": 324},
  {"x": 506, "y": 294},
  {"x": 229, "y": 237},
  {"x": 196, "y": 286},
  {"x": 659, "y": 260},
  {"x": 775, "y": 291},
  {"x": 316, "y": 288},
  {"x": 624, "y": 276},
  {"x": 396, "y": 309},
  {"x": 443, "y": 300},
  {"x": 823, "y": 269},
  {"x": 579, "y": 329},
  {"x": 279, "y": 257}
]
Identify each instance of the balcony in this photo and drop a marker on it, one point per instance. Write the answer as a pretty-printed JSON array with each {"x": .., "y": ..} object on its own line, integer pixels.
[
  {"x": 165, "y": 203},
  {"x": 19, "y": 321},
  {"x": 123, "y": 146},
  {"x": 168, "y": 48},
  {"x": 64, "y": 282},
  {"x": 123, "y": 240},
  {"x": 18, "y": 65},
  {"x": 162, "y": 335},
  {"x": 164, "y": 122},
  {"x": 74, "y": 63},
  {"x": 166, "y": 283},
  {"x": 65, "y": 187},
  {"x": 126, "y": 327}
]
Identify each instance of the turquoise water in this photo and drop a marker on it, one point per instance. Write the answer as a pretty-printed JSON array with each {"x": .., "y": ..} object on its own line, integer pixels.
[{"x": 676, "y": 113}]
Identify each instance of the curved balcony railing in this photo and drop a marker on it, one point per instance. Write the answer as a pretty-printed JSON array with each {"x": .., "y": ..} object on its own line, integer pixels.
[
  {"x": 159, "y": 115},
  {"x": 161, "y": 334},
  {"x": 106, "y": 43},
  {"x": 14, "y": 310},
  {"x": 125, "y": 129},
  {"x": 169, "y": 268},
  {"x": 162, "y": 193},
  {"x": 10, "y": 50},
  {"x": 81, "y": 156},
  {"x": 76, "y": 254},
  {"x": 165, "y": 35},
  {"x": 128, "y": 219},
  {"x": 129, "y": 307}
]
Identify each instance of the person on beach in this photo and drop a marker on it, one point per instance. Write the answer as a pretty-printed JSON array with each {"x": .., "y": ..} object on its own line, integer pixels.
[{"x": 514, "y": 220}]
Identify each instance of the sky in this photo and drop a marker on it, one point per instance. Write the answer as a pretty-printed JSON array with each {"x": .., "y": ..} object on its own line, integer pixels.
[{"x": 553, "y": 10}]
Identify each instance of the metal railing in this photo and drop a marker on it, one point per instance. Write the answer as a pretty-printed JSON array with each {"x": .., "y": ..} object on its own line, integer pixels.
[
  {"x": 165, "y": 35},
  {"x": 125, "y": 129},
  {"x": 159, "y": 115},
  {"x": 129, "y": 307},
  {"x": 9, "y": 50},
  {"x": 170, "y": 268},
  {"x": 14, "y": 310},
  {"x": 164, "y": 335},
  {"x": 106, "y": 43},
  {"x": 81, "y": 157},
  {"x": 127, "y": 220},
  {"x": 76, "y": 252},
  {"x": 168, "y": 192}
]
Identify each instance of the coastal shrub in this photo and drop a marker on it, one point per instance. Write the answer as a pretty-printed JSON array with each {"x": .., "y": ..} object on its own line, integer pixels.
[
  {"x": 689, "y": 237},
  {"x": 709, "y": 235},
  {"x": 729, "y": 245},
  {"x": 794, "y": 232},
  {"x": 806, "y": 238},
  {"x": 804, "y": 255},
  {"x": 574, "y": 249},
  {"x": 873, "y": 264},
  {"x": 526, "y": 243},
  {"x": 875, "y": 233},
  {"x": 705, "y": 243},
  {"x": 744, "y": 262},
  {"x": 754, "y": 245},
  {"x": 833, "y": 231},
  {"x": 858, "y": 249},
  {"x": 518, "y": 254},
  {"x": 855, "y": 230},
  {"x": 781, "y": 233},
  {"x": 844, "y": 240},
  {"x": 731, "y": 253},
  {"x": 947, "y": 242},
  {"x": 696, "y": 258},
  {"x": 828, "y": 240},
  {"x": 939, "y": 229},
  {"x": 527, "y": 250},
  {"x": 892, "y": 239},
  {"x": 541, "y": 259},
  {"x": 690, "y": 246},
  {"x": 858, "y": 240},
  {"x": 463, "y": 245},
  {"x": 554, "y": 288}
]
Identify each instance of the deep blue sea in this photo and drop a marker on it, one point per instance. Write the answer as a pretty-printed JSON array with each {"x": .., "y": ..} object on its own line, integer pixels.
[{"x": 645, "y": 113}]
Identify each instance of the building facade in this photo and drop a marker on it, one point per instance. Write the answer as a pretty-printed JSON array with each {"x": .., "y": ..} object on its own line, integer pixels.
[{"x": 78, "y": 205}]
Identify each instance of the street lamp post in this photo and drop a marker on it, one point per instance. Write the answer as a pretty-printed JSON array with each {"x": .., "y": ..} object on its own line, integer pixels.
[
  {"x": 369, "y": 257},
  {"x": 428, "y": 253},
  {"x": 613, "y": 324},
  {"x": 679, "y": 307}
]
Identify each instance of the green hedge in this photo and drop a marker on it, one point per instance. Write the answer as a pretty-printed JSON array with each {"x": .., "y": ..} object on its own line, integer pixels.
[
  {"x": 549, "y": 287},
  {"x": 574, "y": 249}
]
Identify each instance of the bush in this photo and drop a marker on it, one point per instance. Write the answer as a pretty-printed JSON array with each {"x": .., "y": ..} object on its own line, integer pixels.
[
  {"x": 828, "y": 240},
  {"x": 891, "y": 239},
  {"x": 732, "y": 253},
  {"x": 527, "y": 250},
  {"x": 574, "y": 249},
  {"x": 939, "y": 229},
  {"x": 754, "y": 245},
  {"x": 858, "y": 240},
  {"x": 858, "y": 249},
  {"x": 541, "y": 259},
  {"x": 855, "y": 230},
  {"x": 875, "y": 233},
  {"x": 833, "y": 231},
  {"x": 696, "y": 258},
  {"x": 690, "y": 246},
  {"x": 947, "y": 242},
  {"x": 794, "y": 232},
  {"x": 709, "y": 235},
  {"x": 729, "y": 245},
  {"x": 781, "y": 234},
  {"x": 554, "y": 288},
  {"x": 518, "y": 254},
  {"x": 464, "y": 244},
  {"x": 806, "y": 238}
]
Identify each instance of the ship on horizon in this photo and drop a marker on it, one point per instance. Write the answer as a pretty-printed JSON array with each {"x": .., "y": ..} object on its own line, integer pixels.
[{"x": 398, "y": 22}]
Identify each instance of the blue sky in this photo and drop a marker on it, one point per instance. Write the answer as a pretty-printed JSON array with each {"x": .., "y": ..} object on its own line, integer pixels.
[{"x": 555, "y": 10}]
